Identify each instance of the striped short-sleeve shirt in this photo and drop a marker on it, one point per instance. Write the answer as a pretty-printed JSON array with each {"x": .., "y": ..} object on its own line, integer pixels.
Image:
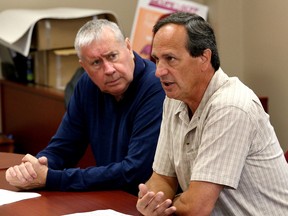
[{"x": 229, "y": 141}]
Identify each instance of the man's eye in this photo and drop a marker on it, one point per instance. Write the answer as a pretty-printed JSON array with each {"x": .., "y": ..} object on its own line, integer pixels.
[
  {"x": 112, "y": 56},
  {"x": 96, "y": 62},
  {"x": 170, "y": 58}
]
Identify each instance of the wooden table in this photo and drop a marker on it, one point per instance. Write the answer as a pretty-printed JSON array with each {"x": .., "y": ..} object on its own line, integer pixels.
[{"x": 59, "y": 203}]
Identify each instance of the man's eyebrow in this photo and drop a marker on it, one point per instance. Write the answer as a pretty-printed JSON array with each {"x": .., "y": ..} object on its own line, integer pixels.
[
  {"x": 92, "y": 60},
  {"x": 164, "y": 55},
  {"x": 109, "y": 53}
]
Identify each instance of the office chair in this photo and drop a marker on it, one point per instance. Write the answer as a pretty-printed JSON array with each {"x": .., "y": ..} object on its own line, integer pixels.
[{"x": 71, "y": 85}]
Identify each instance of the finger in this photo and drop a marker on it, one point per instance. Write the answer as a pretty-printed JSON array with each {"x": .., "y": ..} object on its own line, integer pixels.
[
  {"x": 156, "y": 201},
  {"x": 30, "y": 172},
  {"x": 29, "y": 157},
  {"x": 25, "y": 158},
  {"x": 12, "y": 180},
  {"x": 11, "y": 172},
  {"x": 143, "y": 189},
  {"x": 24, "y": 169},
  {"x": 165, "y": 208},
  {"x": 19, "y": 175},
  {"x": 147, "y": 198},
  {"x": 170, "y": 211},
  {"x": 143, "y": 202},
  {"x": 151, "y": 204}
]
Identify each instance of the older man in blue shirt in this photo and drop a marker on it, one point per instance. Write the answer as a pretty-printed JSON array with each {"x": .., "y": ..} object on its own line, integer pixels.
[{"x": 116, "y": 108}]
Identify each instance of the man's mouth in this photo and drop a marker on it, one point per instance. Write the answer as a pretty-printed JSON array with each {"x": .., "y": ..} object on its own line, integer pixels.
[
  {"x": 112, "y": 82},
  {"x": 167, "y": 83}
]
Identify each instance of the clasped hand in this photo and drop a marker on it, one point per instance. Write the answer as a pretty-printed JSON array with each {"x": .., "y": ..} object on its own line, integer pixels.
[
  {"x": 153, "y": 204},
  {"x": 30, "y": 174}
]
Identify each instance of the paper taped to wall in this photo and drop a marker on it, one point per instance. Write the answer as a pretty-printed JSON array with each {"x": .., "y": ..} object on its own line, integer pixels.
[{"x": 17, "y": 24}]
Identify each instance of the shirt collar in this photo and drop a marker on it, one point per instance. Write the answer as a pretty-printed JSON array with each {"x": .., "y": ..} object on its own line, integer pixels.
[{"x": 219, "y": 79}]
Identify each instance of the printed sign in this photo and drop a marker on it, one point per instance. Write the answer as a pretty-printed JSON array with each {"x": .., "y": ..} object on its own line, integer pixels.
[{"x": 148, "y": 12}]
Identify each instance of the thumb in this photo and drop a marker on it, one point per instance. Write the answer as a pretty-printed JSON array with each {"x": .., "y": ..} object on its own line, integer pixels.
[
  {"x": 143, "y": 189},
  {"x": 43, "y": 160}
]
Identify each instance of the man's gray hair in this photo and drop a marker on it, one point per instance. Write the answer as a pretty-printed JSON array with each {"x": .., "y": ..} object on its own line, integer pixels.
[{"x": 92, "y": 30}]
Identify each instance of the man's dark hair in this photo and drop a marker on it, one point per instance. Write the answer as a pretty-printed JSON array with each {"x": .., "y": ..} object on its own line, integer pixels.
[{"x": 200, "y": 34}]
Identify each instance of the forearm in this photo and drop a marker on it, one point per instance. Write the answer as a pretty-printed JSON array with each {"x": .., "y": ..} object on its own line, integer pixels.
[
  {"x": 199, "y": 199},
  {"x": 167, "y": 185},
  {"x": 186, "y": 208},
  {"x": 182, "y": 207}
]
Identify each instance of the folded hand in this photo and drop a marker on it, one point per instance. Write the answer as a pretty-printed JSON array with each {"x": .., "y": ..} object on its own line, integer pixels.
[{"x": 31, "y": 173}]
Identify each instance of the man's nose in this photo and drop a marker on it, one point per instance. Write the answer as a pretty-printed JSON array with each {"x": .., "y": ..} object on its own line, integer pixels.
[
  {"x": 108, "y": 67},
  {"x": 161, "y": 70}
]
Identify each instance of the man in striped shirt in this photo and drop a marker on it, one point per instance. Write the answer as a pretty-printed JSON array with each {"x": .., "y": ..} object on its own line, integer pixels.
[{"x": 216, "y": 142}]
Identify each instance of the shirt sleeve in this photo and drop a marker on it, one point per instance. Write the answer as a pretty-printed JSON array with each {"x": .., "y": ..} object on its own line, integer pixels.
[{"x": 224, "y": 145}]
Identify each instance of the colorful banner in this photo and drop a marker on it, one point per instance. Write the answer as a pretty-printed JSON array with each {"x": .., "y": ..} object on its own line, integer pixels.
[{"x": 147, "y": 14}]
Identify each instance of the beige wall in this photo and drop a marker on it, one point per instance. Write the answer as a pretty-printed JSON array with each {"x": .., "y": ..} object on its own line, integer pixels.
[
  {"x": 251, "y": 37},
  {"x": 252, "y": 40},
  {"x": 266, "y": 58}
]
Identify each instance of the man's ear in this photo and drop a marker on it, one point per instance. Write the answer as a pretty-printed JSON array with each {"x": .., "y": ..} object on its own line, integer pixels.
[
  {"x": 206, "y": 58},
  {"x": 128, "y": 43},
  {"x": 80, "y": 62},
  {"x": 129, "y": 47}
]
